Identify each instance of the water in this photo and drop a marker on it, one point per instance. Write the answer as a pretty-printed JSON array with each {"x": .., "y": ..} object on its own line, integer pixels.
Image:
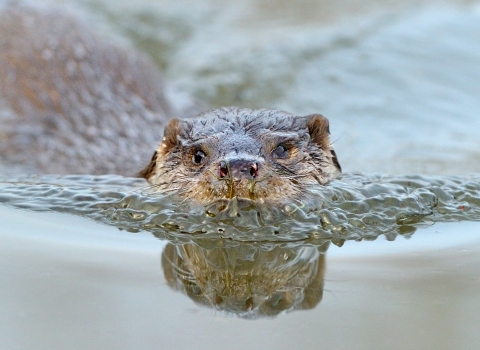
[
  {"x": 401, "y": 75},
  {"x": 380, "y": 261},
  {"x": 353, "y": 207},
  {"x": 71, "y": 283}
]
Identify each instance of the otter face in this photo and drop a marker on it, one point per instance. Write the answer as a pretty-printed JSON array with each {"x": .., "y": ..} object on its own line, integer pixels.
[{"x": 263, "y": 155}]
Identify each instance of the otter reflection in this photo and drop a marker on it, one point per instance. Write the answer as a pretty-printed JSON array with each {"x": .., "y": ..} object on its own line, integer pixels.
[{"x": 250, "y": 279}]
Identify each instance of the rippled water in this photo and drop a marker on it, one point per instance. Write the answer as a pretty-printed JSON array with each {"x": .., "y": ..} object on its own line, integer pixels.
[
  {"x": 399, "y": 82},
  {"x": 354, "y": 207}
]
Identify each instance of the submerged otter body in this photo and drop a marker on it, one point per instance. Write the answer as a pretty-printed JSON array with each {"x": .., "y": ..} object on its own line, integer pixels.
[{"x": 71, "y": 102}]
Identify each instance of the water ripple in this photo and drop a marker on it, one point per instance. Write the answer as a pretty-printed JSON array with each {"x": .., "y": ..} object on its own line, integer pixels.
[{"x": 355, "y": 207}]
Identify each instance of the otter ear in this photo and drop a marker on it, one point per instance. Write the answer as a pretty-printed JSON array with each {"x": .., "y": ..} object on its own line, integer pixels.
[
  {"x": 170, "y": 136},
  {"x": 170, "y": 140},
  {"x": 319, "y": 130}
]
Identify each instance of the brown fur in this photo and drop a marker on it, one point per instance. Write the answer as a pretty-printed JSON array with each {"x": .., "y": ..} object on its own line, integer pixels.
[
  {"x": 150, "y": 169},
  {"x": 229, "y": 136}
]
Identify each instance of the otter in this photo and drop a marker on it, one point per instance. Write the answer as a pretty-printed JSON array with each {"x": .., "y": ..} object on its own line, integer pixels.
[
  {"x": 73, "y": 102},
  {"x": 258, "y": 154}
]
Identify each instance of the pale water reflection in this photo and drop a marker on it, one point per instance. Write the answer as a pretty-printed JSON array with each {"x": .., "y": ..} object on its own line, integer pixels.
[{"x": 70, "y": 283}]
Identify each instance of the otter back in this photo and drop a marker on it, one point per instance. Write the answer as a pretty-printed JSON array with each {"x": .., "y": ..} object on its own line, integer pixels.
[{"x": 72, "y": 101}]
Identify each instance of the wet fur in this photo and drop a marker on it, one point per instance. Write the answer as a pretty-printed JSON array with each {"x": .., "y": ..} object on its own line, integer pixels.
[{"x": 225, "y": 133}]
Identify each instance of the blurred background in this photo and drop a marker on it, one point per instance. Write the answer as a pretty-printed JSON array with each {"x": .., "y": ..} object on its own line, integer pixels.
[{"x": 399, "y": 80}]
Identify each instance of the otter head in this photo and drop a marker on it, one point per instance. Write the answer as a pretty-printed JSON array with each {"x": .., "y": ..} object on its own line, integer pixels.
[{"x": 263, "y": 155}]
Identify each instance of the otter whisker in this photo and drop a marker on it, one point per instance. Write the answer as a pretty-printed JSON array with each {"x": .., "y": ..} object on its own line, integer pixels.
[{"x": 338, "y": 138}]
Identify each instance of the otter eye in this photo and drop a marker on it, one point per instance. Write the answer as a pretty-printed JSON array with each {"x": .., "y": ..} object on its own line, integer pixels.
[
  {"x": 280, "y": 152},
  {"x": 199, "y": 156}
]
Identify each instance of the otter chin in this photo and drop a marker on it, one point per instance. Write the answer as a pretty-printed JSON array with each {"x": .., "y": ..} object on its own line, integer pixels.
[{"x": 263, "y": 155}]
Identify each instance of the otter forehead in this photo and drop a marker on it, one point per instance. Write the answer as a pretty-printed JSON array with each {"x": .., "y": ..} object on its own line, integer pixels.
[
  {"x": 233, "y": 128},
  {"x": 235, "y": 131}
]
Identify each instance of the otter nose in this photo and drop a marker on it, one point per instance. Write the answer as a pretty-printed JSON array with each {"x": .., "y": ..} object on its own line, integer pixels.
[{"x": 239, "y": 169}]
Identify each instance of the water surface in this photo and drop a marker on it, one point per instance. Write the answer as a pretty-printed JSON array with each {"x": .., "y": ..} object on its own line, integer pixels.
[
  {"x": 70, "y": 283},
  {"x": 379, "y": 261}
]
